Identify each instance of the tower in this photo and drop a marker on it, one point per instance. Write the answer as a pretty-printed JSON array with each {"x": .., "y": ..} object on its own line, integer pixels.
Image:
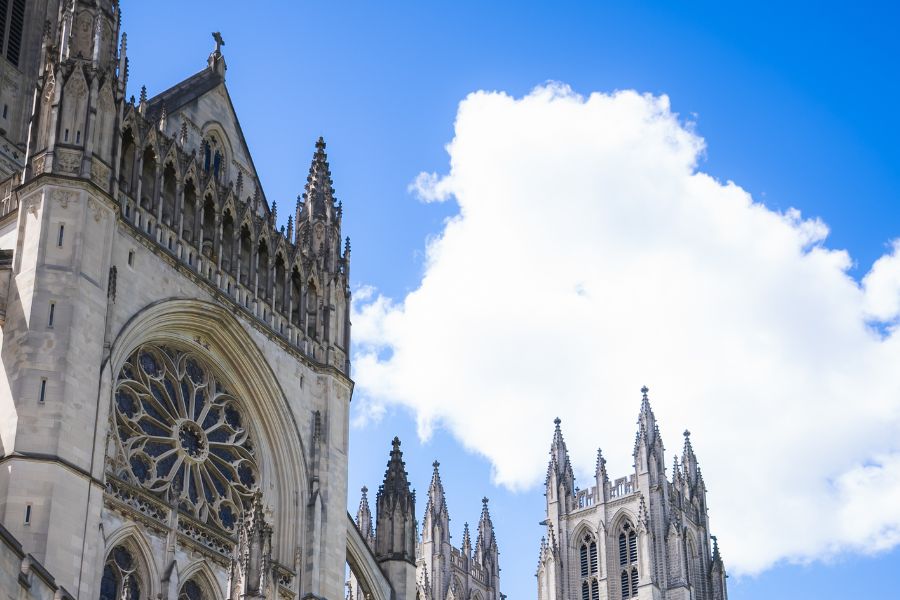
[
  {"x": 395, "y": 532},
  {"x": 430, "y": 567},
  {"x": 639, "y": 536}
]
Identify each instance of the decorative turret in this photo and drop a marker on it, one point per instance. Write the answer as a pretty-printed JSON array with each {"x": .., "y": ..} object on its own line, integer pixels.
[
  {"x": 601, "y": 476},
  {"x": 395, "y": 533},
  {"x": 486, "y": 552},
  {"x": 436, "y": 526},
  {"x": 251, "y": 562},
  {"x": 466, "y": 548},
  {"x": 717, "y": 573},
  {"x": 318, "y": 195},
  {"x": 396, "y": 508},
  {"x": 80, "y": 86},
  {"x": 560, "y": 476},
  {"x": 364, "y": 519},
  {"x": 649, "y": 453}
]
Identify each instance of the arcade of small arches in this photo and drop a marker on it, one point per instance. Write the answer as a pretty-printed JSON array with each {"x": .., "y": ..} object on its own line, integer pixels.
[
  {"x": 184, "y": 201},
  {"x": 126, "y": 576}
]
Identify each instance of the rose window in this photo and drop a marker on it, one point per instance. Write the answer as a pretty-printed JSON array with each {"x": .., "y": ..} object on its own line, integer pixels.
[{"x": 183, "y": 436}]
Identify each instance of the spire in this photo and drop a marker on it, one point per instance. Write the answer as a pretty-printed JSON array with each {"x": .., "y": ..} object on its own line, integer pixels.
[
  {"x": 485, "y": 545},
  {"x": 467, "y": 542},
  {"x": 436, "y": 526},
  {"x": 396, "y": 509},
  {"x": 648, "y": 430},
  {"x": 600, "y": 469},
  {"x": 364, "y": 518},
  {"x": 396, "y": 484},
  {"x": 319, "y": 193},
  {"x": 437, "y": 501},
  {"x": 689, "y": 461},
  {"x": 142, "y": 106},
  {"x": 560, "y": 466},
  {"x": 251, "y": 561},
  {"x": 715, "y": 553}
]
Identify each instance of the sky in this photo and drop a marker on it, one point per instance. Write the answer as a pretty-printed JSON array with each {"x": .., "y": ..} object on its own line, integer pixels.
[{"x": 553, "y": 204}]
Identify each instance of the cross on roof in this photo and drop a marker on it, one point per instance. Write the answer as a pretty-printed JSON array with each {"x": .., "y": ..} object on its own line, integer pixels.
[{"x": 219, "y": 41}]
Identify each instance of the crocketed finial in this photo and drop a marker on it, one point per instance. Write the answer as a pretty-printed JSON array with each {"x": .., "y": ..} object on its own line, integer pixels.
[{"x": 644, "y": 391}]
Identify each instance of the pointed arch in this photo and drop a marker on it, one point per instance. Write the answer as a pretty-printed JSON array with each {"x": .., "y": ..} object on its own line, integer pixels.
[
  {"x": 148, "y": 176},
  {"x": 168, "y": 193},
  {"x": 199, "y": 572},
  {"x": 228, "y": 349},
  {"x": 626, "y": 544},
  {"x": 228, "y": 235},
  {"x": 127, "y": 161},
  {"x": 74, "y": 109},
  {"x": 130, "y": 538},
  {"x": 190, "y": 209},
  {"x": 106, "y": 118},
  {"x": 279, "y": 293}
]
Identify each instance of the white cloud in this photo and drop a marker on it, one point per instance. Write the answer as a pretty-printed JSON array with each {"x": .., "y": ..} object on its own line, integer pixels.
[
  {"x": 882, "y": 284},
  {"x": 590, "y": 257}
]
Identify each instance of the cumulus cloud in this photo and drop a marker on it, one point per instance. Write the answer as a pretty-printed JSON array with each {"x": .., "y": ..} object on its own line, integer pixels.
[{"x": 591, "y": 256}]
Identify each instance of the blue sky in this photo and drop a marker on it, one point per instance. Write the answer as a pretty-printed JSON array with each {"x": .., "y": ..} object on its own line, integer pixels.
[{"x": 795, "y": 103}]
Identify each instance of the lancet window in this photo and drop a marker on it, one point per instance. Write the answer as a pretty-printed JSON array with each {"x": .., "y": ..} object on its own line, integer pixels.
[
  {"x": 589, "y": 568},
  {"x": 628, "y": 561},
  {"x": 191, "y": 590},
  {"x": 120, "y": 579}
]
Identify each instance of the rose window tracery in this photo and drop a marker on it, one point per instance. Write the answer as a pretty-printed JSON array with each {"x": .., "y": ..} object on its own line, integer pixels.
[{"x": 183, "y": 435}]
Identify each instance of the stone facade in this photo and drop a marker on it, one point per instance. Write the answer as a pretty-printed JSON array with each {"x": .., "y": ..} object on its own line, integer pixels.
[
  {"x": 640, "y": 536},
  {"x": 174, "y": 397}
]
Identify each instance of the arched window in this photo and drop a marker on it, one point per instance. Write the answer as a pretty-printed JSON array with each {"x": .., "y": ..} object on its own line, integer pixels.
[
  {"x": 588, "y": 556},
  {"x": 120, "y": 580},
  {"x": 191, "y": 590},
  {"x": 628, "y": 560}
]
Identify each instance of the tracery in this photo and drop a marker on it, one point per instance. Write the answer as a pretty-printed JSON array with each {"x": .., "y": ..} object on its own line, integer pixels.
[{"x": 183, "y": 434}]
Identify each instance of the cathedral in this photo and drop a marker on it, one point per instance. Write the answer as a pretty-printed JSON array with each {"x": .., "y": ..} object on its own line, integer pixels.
[
  {"x": 174, "y": 398},
  {"x": 639, "y": 536},
  {"x": 175, "y": 390}
]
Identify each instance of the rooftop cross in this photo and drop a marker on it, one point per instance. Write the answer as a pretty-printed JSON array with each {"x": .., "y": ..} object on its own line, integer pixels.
[{"x": 219, "y": 41}]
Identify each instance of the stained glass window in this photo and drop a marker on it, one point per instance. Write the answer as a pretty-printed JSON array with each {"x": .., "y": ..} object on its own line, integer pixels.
[{"x": 183, "y": 434}]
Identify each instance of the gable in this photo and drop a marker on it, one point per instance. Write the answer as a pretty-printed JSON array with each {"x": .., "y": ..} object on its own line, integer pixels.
[{"x": 203, "y": 104}]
